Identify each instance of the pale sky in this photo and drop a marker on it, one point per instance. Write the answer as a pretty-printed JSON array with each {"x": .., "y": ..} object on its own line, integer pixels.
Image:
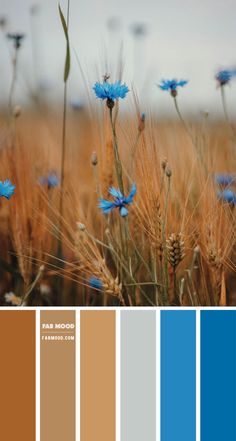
[{"x": 187, "y": 39}]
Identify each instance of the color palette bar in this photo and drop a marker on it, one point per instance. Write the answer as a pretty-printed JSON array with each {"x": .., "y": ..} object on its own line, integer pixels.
[
  {"x": 138, "y": 375},
  {"x": 178, "y": 375},
  {"x": 218, "y": 375},
  {"x": 97, "y": 376},
  {"x": 133, "y": 374},
  {"x": 17, "y": 375},
  {"x": 57, "y": 376}
]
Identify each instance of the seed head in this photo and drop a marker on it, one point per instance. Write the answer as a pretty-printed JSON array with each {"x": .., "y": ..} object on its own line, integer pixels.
[
  {"x": 141, "y": 125},
  {"x": 94, "y": 158},
  {"x": 175, "y": 249},
  {"x": 164, "y": 163},
  {"x": 16, "y": 111},
  {"x": 3, "y": 22},
  {"x": 81, "y": 226},
  {"x": 110, "y": 103},
  {"x": 168, "y": 171}
]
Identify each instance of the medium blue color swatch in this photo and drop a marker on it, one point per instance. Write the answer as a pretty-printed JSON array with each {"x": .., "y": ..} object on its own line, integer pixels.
[
  {"x": 178, "y": 376},
  {"x": 218, "y": 375}
]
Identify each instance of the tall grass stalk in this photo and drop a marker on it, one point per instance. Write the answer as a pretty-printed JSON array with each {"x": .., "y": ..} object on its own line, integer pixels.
[
  {"x": 65, "y": 25},
  {"x": 164, "y": 224},
  {"x": 118, "y": 165},
  {"x": 226, "y": 114}
]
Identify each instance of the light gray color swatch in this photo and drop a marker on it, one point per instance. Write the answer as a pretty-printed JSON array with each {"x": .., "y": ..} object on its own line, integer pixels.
[{"x": 138, "y": 375}]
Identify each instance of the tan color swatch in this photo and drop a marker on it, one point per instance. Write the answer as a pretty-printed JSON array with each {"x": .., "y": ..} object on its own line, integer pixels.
[
  {"x": 97, "y": 376},
  {"x": 17, "y": 375},
  {"x": 57, "y": 360}
]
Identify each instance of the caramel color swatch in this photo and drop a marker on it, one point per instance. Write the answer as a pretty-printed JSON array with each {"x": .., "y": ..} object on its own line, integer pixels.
[
  {"x": 17, "y": 375},
  {"x": 97, "y": 376}
]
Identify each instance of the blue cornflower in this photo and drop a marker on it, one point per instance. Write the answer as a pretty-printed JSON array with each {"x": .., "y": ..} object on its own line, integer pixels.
[
  {"x": 119, "y": 201},
  {"x": 6, "y": 189},
  {"x": 227, "y": 196},
  {"x": 51, "y": 180},
  {"x": 110, "y": 91},
  {"x": 95, "y": 283},
  {"x": 172, "y": 85},
  {"x": 142, "y": 120},
  {"x": 17, "y": 39},
  {"x": 224, "y": 76},
  {"x": 225, "y": 180}
]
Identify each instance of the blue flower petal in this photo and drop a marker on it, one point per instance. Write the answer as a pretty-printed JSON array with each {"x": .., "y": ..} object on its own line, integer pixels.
[
  {"x": 95, "y": 283},
  {"x": 224, "y": 76},
  {"x": 106, "y": 206},
  {"x": 6, "y": 189},
  {"x": 172, "y": 85},
  {"x": 123, "y": 211},
  {"x": 182, "y": 83},
  {"x": 130, "y": 198},
  {"x": 53, "y": 180},
  {"x": 112, "y": 91},
  {"x": 227, "y": 196},
  {"x": 224, "y": 179},
  {"x": 116, "y": 193}
]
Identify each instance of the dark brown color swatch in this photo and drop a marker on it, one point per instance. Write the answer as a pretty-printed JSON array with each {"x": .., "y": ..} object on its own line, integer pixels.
[
  {"x": 57, "y": 376},
  {"x": 17, "y": 375},
  {"x": 97, "y": 376}
]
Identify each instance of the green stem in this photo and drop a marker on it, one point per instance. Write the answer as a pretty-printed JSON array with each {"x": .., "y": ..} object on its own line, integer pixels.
[
  {"x": 181, "y": 118},
  {"x": 118, "y": 164},
  {"x": 135, "y": 283},
  {"x": 63, "y": 148}
]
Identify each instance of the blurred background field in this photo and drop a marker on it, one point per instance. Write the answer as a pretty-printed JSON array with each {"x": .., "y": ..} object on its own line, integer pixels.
[{"x": 177, "y": 244}]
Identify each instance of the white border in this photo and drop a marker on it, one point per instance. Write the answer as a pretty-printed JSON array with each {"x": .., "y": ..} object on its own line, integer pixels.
[
  {"x": 77, "y": 375},
  {"x": 37, "y": 373},
  {"x": 198, "y": 375},
  {"x": 158, "y": 375},
  {"x": 118, "y": 377},
  {"x": 115, "y": 308}
]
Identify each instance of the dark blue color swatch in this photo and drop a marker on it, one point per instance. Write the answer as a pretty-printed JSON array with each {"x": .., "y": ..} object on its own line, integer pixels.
[{"x": 218, "y": 374}]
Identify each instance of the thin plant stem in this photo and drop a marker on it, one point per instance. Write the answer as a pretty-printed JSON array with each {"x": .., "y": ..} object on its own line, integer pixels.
[
  {"x": 189, "y": 133},
  {"x": 181, "y": 118},
  {"x": 62, "y": 171},
  {"x": 154, "y": 260},
  {"x": 13, "y": 81},
  {"x": 165, "y": 299},
  {"x": 63, "y": 149},
  {"x": 97, "y": 182},
  {"x": 226, "y": 114},
  {"x": 175, "y": 287},
  {"x": 118, "y": 165},
  {"x": 135, "y": 283},
  {"x": 32, "y": 286},
  {"x": 119, "y": 174},
  {"x": 133, "y": 152}
]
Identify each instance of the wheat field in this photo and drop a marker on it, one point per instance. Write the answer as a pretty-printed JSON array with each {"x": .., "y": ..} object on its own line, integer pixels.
[{"x": 175, "y": 247}]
